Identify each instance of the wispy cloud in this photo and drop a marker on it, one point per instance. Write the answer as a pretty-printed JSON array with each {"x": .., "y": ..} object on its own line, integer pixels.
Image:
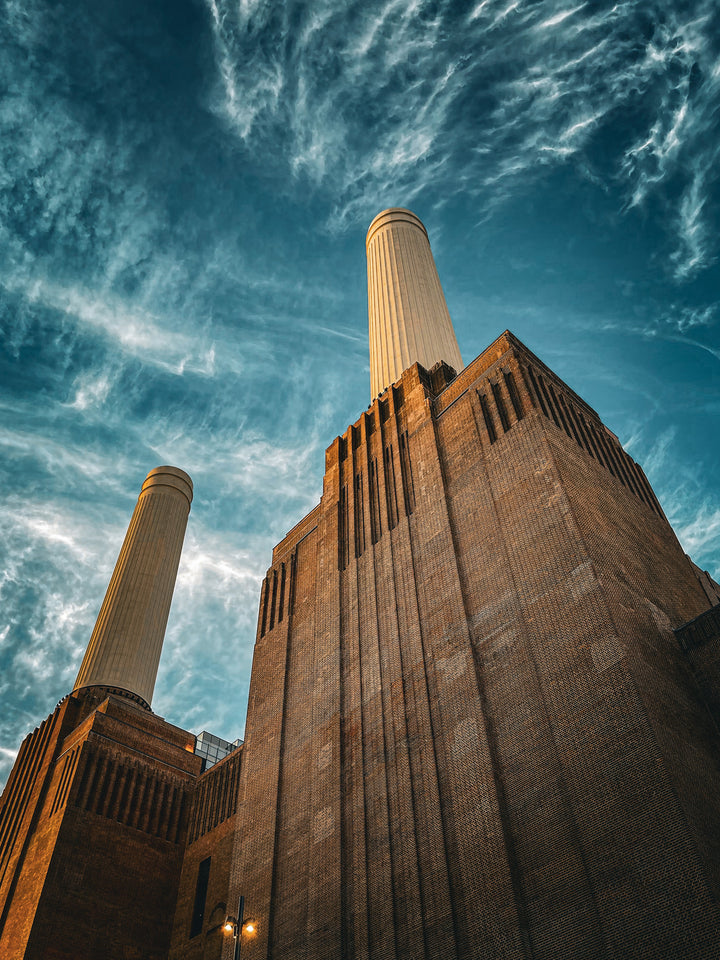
[
  {"x": 217, "y": 582},
  {"x": 693, "y": 512},
  {"x": 55, "y": 565},
  {"x": 701, "y": 533},
  {"x": 695, "y": 246},
  {"x": 60, "y": 459},
  {"x": 558, "y": 18},
  {"x": 367, "y": 106},
  {"x": 684, "y": 318},
  {"x": 136, "y": 332},
  {"x": 181, "y": 269},
  {"x": 674, "y": 322},
  {"x": 244, "y": 103}
]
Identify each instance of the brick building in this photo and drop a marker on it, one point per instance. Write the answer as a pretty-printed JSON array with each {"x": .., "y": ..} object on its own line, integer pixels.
[{"x": 473, "y": 731}]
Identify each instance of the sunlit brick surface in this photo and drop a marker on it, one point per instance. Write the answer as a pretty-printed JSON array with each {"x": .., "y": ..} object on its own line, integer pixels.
[
  {"x": 91, "y": 865},
  {"x": 471, "y": 732},
  {"x": 210, "y": 836}
]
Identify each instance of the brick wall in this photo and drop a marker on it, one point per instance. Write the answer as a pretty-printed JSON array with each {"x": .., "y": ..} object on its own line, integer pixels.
[
  {"x": 470, "y": 731},
  {"x": 210, "y": 835},
  {"x": 98, "y": 862}
]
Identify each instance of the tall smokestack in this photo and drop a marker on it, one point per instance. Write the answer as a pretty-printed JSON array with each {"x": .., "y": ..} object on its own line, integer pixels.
[
  {"x": 409, "y": 319},
  {"x": 125, "y": 646}
]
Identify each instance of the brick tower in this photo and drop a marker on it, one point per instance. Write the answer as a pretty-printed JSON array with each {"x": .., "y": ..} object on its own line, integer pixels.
[
  {"x": 471, "y": 731},
  {"x": 94, "y": 814}
]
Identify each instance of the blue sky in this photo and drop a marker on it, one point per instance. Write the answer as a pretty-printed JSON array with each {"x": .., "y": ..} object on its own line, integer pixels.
[{"x": 185, "y": 189}]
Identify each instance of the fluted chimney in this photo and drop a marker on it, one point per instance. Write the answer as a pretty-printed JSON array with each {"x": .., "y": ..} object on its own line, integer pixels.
[
  {"x": 409, "y": 319},
  {"x": 125, "y": 646}
]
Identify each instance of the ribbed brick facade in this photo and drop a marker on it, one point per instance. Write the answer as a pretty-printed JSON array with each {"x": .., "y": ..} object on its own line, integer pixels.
[
  {"x": 202, "y": 902},
  {"x": 94, "y": 820},
  {"x": 471, "y": 731}
]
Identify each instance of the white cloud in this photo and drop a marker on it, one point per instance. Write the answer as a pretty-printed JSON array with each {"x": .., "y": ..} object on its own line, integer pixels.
[
  {"x": 673, "y": 323},
  {"x": 91, "y": 390},
  {"x": 60, "y": 458},
  {"x": 551, "y": 74},
  {"x": 695, "y": 247},
  {"x": 136, "y": 331},
  {"x": 701, "y": 531},
  {"x": 683, "y": 318},
  {"x": 560, "y": 17},
  {"x": 693, "y": 513}
]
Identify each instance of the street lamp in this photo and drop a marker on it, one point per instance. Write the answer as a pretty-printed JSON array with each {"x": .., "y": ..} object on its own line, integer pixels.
[{"x": 235, "y": 927}]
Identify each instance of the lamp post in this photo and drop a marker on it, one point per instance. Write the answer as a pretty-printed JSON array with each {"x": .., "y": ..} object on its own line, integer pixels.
[
  {"x": 236, "y": 925},
  {"x": 238, "y": 935}
]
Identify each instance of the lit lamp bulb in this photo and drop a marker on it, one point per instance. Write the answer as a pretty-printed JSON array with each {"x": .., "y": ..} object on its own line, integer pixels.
[
  {"x": 229, "y": 926},
  {"x": 249, "y": 927}
]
